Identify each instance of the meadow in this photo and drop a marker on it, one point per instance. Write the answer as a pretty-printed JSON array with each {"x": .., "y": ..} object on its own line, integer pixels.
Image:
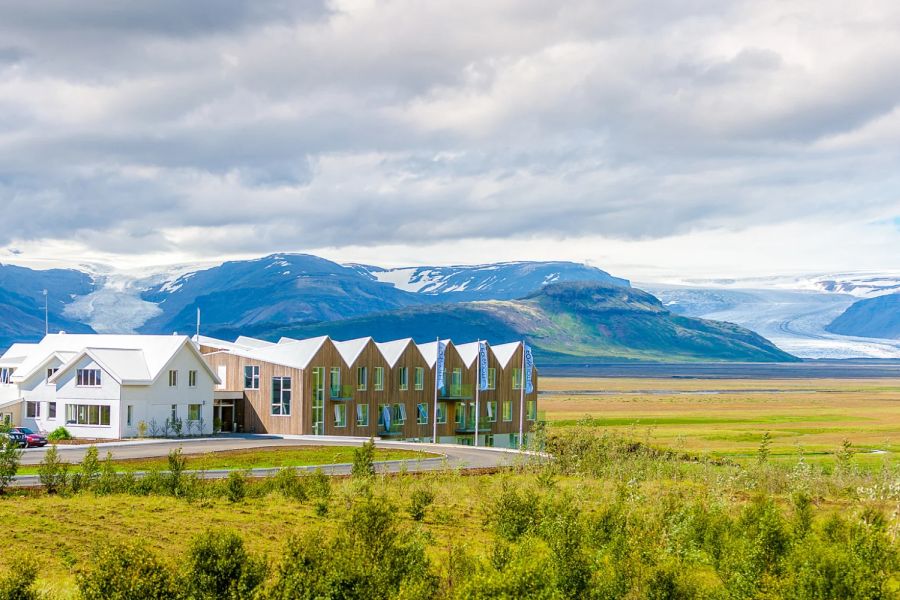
[{"x": 658, "y": 489}]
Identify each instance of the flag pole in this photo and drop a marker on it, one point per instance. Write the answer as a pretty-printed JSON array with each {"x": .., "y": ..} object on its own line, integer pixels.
[
  {"x": 522, "y": 401},
  {"x": 477, "y": 386},
  {"x": 437, "y": 349}
]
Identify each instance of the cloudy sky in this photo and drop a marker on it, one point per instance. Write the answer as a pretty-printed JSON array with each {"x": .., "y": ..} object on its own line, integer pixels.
[{"x": 649, "y": 137}]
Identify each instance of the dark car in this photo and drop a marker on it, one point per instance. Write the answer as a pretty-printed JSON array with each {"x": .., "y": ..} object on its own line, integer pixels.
[
  {"x": 16, "y": 437},
  {"x": 33, "y": 438}
]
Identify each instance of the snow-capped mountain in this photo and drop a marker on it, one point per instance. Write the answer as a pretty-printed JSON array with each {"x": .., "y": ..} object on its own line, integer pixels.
[{"x": 497, "y": 281}]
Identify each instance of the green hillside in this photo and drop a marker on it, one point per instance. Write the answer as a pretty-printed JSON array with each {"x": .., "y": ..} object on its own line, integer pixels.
[{"x": 574, "y": 322}]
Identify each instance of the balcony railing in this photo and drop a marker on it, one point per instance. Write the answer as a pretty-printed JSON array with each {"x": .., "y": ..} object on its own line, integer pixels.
[
  {"x": 395, "y": 430},
  {"x": 342, "y": 392},
  {"x": 457, "y": 392}
]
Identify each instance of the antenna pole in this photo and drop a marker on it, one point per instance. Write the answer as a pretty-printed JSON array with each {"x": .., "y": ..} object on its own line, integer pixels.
[{"x": 46, "y": 314}]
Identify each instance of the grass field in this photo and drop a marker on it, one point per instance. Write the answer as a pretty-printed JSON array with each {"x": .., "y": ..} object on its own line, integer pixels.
[
  {"x": 259, "y": 458},
  {"x": 727, "y": 418}
]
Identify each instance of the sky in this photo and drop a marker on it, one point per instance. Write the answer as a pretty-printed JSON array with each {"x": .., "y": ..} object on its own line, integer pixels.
[{"x": 650, "y": 138}]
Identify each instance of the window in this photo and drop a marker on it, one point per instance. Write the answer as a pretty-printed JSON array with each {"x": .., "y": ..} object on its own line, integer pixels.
[
  {"x": 422, "y": 413},
  {"x": 362, "y": 415},
  {"x": 456, "y": 381},
  {"x": 340, "y": 415},
  {"x": 87, "y": 414},
  {"x": 88, "y": 378},
  {"x": 33, "y": 410},
  {"x": 174, "y": 412},
  {"x": 379, "y": 379},
  {"x": 507, "y": 410},
  {"x": 442, "y": 413},
  {"x": 192, "y": 378},
  {"x": 173, "y": 378},
  {"x": 403, "y": 377},
  {"x": 400, "y": 414},
  {"x": 251, "y": 377},
  {"x": 460, "y": 415},
  {"x": 420, "y": 378},
  {"x": 514, "y": 440},
  {"x": 51, "y": 410},
  {"x": 492, "y": 412},
  {"x": 51, "y": 372},
  {"x": 517, "y": 378},
  {"x": 489, "y": 440},
  {"x": 362, "y": 378},
  {"x": 531, "y": 410},
  {"x": 193, "y": 412},
  {"x": 130, "y": 413},
  {"x": 382, "y": 408},
  {"x": 281, "y": 396},
  {"x": 5, "y": 374},
  {"x": 492, "y": 378}
]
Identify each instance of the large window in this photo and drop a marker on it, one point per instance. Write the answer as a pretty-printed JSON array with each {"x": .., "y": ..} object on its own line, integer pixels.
[
  {"x": 461, "y": 414},
  {"x": 362, "y": 415},
  {"x": 517, "y": 378},
  {"x": 51, "y": 410},
  {"x": 492, "y": 378},
  {"x": 531, "y": 410},
  {"x": 400, "y": 414},
  {"x": 340, "y": 415},
  {"x": 507, "y": 410},
  {"x": 420, "y": 378},
  {"x": 403, "y": 378},
  {"x": 335, "y": 382},
  {"x": 422, "y": 413},
  {"x": 441, "y": 413},
  {"x": 192, "y": 378},
  {"x": 492, "y": 412},
  {"x": 251, "y": 377},
  {"x": 173, "y": 378},
  {"x": 33, "y": 410},
  {"x": 378, "y": 383},
  {"x": 87, "y": 414},
  {"x": 281, "y": 396},
  {"x": 362, "y": 378},
  {"x": 88, "y": 378},
  {"x": 193, "y": 412}
]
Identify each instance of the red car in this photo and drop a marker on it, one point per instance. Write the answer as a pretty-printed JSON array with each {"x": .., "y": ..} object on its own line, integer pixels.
[{"x": 33, "y": 439}]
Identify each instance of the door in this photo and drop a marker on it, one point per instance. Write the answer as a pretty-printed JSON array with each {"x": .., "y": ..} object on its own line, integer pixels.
[{"x": 318, "y": 404}]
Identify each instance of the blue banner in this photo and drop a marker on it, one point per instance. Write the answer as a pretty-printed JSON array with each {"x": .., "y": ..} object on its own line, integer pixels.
[
  {"x": 386, "y": 416},
  {"x": 439, "y": 366},
  {"x": 482, "y": 366},
  {"x": 529, "y": 367}
]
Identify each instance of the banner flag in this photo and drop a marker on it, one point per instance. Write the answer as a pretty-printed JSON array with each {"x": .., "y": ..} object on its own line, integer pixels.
[
  {"x": 439, "y": 365},
  {"x": 482, "y": 366},
  {"x": 386, "y": 416},
  {"x": 529, "y": 367}
]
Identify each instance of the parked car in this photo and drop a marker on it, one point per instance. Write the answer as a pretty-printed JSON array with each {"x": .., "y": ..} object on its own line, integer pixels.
[
  {"x": 33, "y": 438},
  {"x": 17, "y": 438}
]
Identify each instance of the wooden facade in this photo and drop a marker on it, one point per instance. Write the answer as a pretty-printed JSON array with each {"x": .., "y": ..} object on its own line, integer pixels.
[{"x": 314, "y": 382}]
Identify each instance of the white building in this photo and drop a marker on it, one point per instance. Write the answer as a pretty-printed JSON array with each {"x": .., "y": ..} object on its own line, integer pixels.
[{"x": 105, "y": 386}]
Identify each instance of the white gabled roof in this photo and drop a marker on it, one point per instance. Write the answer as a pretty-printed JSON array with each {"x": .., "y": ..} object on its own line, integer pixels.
[
  {"x": 242, "y": 343},
  {"x": 249, "y": 342},
  {"x": 429, "y": 351},
  {"x": 467, "y": 352},
  {"x": 128, "y": 358},
  {"x": 504, "y": 352},
  {"x": 16, "y": 355},
  {"x": 351, "y": 349},
  {"x": 287, "y": 340},
  {"x": 289, "y": 354},
  {"x": 393, "y": 350}
]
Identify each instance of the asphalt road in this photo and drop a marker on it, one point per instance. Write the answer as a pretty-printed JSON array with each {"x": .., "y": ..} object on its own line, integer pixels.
[{"x": 450, "y": 456}]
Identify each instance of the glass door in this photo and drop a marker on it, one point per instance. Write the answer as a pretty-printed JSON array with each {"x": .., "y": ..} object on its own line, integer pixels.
[{"x": 318, "y": 405}]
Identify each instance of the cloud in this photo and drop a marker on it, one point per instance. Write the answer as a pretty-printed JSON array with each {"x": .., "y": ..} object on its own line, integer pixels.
[{"x": 218, "y": 128}]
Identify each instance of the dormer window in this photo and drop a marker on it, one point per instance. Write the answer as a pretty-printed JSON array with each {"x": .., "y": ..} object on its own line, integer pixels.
[{"x": 88, "y": 378}]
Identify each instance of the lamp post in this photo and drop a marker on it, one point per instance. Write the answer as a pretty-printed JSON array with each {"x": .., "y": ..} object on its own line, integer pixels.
[{"x": 46, "y": 314}]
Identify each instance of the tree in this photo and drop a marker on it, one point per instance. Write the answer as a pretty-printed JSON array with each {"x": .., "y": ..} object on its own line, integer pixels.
[{"x": 10, "y": 455}]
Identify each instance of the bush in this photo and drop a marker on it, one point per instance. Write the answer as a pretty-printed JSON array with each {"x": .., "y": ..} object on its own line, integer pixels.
[
  {"x": 513, "y": 513},
  {"x": 364, "y": 460},
  {"x": 419, "y": 501},
  {"x": 86, "y": 476},
  {"x": 18, "y": 583},
  {"x": 59, "y": 434},
  {"x": 288, "y": 484},
  {"x": 319, "y": 489},
  {"x": 10, "y": 455},
  {"x": 127, "y": 572},
  {"x": 236, "y": 487},
  {"x": 219, "y": 567},
  {"x": 52, "y": 472}
]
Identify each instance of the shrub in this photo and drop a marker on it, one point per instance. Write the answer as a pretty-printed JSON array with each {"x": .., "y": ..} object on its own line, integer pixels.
[
  {"x": 419, "y": 501},
  {"x": 52, "y": 472},
  {"x": 108, "y": 480},
  {"x": 288, "y": 484},
  {"x": 59, "y": 434},
  {"x": 126, "y": 572},
  {"x": 236, "y": 487},
  {"x": 318, "y": 487},
  {"x": 513, "y": 513},
  {"x": 86, "y": 476},
  {"x": 218, "y": 566},
  {"x": 364, "y": 460},
  {"x": 142, "y": 428},
  {"x": 10, "y": 455},
  {"x": 18, "y": 583}
]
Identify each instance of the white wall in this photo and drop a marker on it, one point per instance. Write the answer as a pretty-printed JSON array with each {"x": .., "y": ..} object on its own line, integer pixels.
[
  {"x": 155, "y": 402},
  {"x": 36, "y": 389},
  {"x": 68, "y": 392}
]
